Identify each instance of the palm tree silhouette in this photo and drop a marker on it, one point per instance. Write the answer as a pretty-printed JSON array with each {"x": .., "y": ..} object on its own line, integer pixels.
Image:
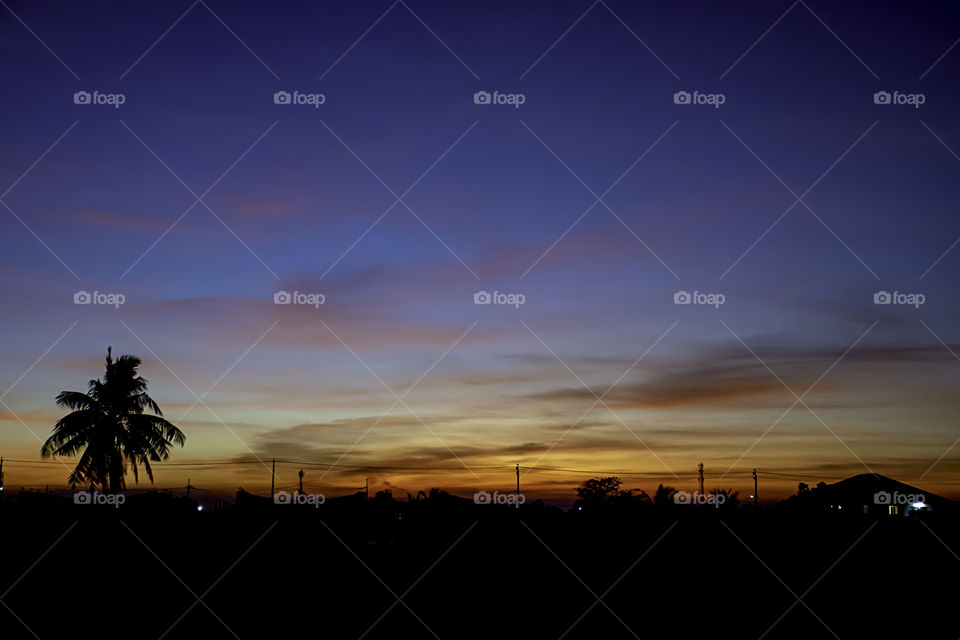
[{"x": 109, "y": 425}]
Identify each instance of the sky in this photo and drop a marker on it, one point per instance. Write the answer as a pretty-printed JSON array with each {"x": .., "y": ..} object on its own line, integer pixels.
[{"x": 790, "y": 170}]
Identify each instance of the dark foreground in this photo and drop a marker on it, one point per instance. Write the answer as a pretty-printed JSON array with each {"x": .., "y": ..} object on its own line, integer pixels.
[{"x": 452, "y": 571}]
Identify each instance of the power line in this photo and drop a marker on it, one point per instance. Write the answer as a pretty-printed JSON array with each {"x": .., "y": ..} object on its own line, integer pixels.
[{"x": 435, "y": 469}]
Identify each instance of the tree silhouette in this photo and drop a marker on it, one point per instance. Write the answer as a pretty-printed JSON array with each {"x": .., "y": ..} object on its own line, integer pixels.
[
  {"x": 663, "y": 496},
  {"x": 731, "y": 498},
  {"x": 596, "y": 492},
  {"x": 109, "y": 426}
]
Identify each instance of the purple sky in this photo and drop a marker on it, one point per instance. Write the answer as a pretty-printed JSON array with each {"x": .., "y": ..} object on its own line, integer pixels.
[{"x": 496, "y": 198}]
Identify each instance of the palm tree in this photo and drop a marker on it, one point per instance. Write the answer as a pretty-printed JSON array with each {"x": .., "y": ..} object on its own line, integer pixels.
[
  {"x": 663, "y": 496},
  {"x": 109, "y": 426}
]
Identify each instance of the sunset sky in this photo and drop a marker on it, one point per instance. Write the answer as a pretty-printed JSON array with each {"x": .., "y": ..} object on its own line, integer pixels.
[{"x": 598, "y": 199}]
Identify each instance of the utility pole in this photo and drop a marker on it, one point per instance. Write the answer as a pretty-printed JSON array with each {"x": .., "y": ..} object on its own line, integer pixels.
[
  {"x": 366, "y": 488},
  {"x": 701, "y": 478},
  {"x": 273, "y": 477},
  {"x": 517, "y": 501},
  {"x": 188, "y": 487},
  {"x": 756, "y": 494},
  {"x": 301, "y": 482}
]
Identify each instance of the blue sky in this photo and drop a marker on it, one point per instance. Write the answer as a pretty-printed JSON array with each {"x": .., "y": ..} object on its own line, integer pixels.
[{"x": 692, "y": 198}]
